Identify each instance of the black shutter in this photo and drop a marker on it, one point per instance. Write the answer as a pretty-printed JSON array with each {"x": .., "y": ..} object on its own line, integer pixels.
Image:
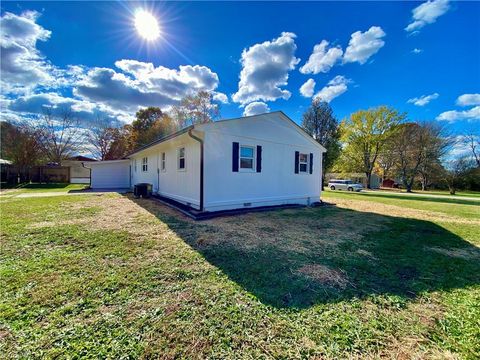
[
  {"x": 235, "y": 157},
  {"x": 311, "y": 163},
  {"x": 259, "y": 158},
  {"x": 297, "y": 161}
]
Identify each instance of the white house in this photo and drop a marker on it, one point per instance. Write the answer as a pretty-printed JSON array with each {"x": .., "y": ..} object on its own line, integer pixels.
[{"x": 261, "y": 160}]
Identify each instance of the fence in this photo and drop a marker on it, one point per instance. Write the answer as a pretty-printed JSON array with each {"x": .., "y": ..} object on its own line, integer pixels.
[{"x": 37, "y": 174}]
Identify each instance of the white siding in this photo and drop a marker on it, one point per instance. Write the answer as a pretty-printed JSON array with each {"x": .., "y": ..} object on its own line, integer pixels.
[
  {"x": 277, "y": 183},
  {"x": 110, "y": 174},
  {"x": 180, "y": 185}
]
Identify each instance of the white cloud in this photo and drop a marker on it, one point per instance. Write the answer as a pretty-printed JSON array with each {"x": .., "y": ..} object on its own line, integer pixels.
[
  {"x": 85, "y": 111},
  {"x": 322, "y": 60},
  {"x": 468, "y": 99},
  {"x": 417, "y": 51},
  {"x": 423, "y": 100},
  {"x": 427, "y": 13},
  {"x": 30, "y": 83},
  {"x": 256, "y": 107},
  {"x": 22, "y": 65},
  {"x": 453, "y": 115},
  {"x": 221, "y": 97},
  {"x": 265, "y": 70},
  {"x": 147, "y": 86},
  {"x": 363, "y": 45},
  {"x": 308, "y": 88},
  {"x": 335, "y": 87}
]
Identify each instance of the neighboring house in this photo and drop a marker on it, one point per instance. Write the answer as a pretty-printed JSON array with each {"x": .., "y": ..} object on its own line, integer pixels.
[
  {"x": 360, "y": 178},
  {"x": 261, "y": 160},
  {"x": 78, "y": 173}
]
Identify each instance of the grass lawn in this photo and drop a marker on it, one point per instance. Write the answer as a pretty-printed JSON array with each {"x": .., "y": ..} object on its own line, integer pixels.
[
  {"x": 445, "y": 192},
  {"x": 110, "y": 276},
  {"x": 52, "y": 187}
]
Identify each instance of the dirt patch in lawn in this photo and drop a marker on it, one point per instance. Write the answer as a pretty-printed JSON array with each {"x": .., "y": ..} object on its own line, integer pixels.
[
  {"x": 290, "y": 230},
  {"x": 114, "y": 213},
  {"x": 324, "y": 275}
]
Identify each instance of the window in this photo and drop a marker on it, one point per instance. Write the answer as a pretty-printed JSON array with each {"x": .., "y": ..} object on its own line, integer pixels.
[
  {"x": 247, "y": 157},
  {"x": 303, "y": 163},
  {"x": 164, "y": 158},
  {"x": 181, "y": 158},
  {"x": 145, "y": 164},
  {"x": 135, "y": 165}
]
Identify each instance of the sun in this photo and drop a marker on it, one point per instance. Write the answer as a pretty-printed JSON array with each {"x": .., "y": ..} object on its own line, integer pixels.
[{"x": 146, "y": 25}]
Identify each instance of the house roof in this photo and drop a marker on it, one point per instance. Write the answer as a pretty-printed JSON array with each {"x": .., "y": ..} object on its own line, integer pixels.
[
  {"x": 80, "y": 158},
  {"x": 162, "y": 139},
  {"x": 183, "y": 131}
]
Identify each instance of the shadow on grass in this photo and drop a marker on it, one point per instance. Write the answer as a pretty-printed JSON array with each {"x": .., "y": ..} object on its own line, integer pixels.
[{"x": 298, "y": 258}]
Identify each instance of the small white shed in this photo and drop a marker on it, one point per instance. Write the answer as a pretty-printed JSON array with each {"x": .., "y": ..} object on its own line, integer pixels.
[{"x": 112, "y": 174}]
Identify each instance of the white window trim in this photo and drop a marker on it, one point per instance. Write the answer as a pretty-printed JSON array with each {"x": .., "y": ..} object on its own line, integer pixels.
[
  {"x": 145, "y": 164},
  {"x": 184, "y": 157},
  {"x": 307, "y": 170},
  {"x": 163, "y": 162},
  {"x": 254, "y": 148}
]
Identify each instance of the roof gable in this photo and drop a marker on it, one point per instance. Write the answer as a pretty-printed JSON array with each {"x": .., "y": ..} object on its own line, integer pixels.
[{"x": 285, "y": 120}]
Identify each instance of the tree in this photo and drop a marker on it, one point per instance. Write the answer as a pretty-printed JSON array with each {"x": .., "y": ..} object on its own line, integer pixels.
[
  {"x": 364, "y": 135},
  {"x": 59, "y": 136},
  {"x": 100, "y": 136},
  {"x": 386, "y": 160},
  {"x": 19, "y": 144},
  {"x": 321, "y": 124},
  {"x": 195, "y": 109},
  {"x": 472, "y": 140},
  {"x": 150, "y": 124},
  {"x": 455, "y": 172},
  {"x": 418, "y": 147},
  {"x": 121, "y": 143}
]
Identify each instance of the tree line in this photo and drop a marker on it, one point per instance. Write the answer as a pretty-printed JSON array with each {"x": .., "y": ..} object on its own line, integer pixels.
[
  {"x": 58, "y": 135},
  {"x": 380, "y": 140},
  {"x": 384, "y": 141}
]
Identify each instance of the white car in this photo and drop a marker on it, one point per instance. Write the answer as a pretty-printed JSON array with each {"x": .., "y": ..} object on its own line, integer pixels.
[{"x": 348, "y": 185}]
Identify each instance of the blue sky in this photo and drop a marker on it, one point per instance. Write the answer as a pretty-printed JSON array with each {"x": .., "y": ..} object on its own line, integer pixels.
[{"x": 89, "y": 56}]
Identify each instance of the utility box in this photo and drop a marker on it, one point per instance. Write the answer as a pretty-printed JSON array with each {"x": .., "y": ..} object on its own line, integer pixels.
[{"x": 143, "y": 190}]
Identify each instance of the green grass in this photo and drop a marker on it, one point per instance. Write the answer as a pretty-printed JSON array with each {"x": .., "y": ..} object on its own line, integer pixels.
[
  {"x": 110, "y": 276},
  {"x": 462, "y": 193},
  {"x": 447, "y": 206},
  {"x": 52, "y": 187}
]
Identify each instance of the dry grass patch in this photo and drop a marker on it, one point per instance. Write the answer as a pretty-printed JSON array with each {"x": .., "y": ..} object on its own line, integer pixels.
[{"x": 325, "y": 275}]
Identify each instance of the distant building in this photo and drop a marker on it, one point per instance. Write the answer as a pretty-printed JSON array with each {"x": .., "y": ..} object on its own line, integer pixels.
[{"x": 78, "y": 173}]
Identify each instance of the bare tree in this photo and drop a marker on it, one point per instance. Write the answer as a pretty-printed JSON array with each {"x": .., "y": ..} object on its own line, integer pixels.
[
  {"x": 418, "y": 147},
  {"x": 455, "y": 172},
  {"x": 196, "y": 109},
  {"x": 100, "y": 136},
  {"x": 472, "y": 140},
  {"x": 59, "y": 136},
  {"x": 321, "y": 124}
]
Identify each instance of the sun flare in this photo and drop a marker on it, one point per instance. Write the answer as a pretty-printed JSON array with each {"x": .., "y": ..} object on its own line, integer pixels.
[{"x": 146, "y": 25}]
